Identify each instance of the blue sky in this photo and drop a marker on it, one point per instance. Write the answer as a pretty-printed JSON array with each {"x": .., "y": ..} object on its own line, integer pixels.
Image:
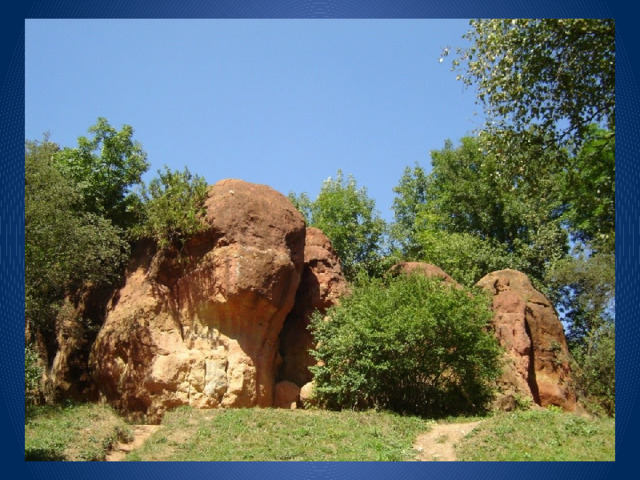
[{"x": 279, "y": 102}]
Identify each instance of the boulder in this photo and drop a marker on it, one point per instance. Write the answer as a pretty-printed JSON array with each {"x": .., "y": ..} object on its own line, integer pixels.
[
  {"x": 307, "y": 398},
  {"x": 200, "y": 327},
  {"x": 537, "y": 363},
  {"x": 426, "y": 269},
  {"x": 287, "y": 395},
  {"x": 321, "y": 287}
]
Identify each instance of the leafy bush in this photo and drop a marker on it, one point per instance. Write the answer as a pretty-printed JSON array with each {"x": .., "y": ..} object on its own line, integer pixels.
[
  {"x": 173, "y": 204},
  {"x": 594, "y": 371},
  {"x": 409, "y": 344},
  {"x": 32, "y": 375}
]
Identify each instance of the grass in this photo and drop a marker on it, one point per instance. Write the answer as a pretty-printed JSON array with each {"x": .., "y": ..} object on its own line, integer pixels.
[
  {"x": 72, "y": 432},
  {"x": 540, "y": 435},
  {"x": 87, "y": 432},
  {"x": 282, "y": 435}
]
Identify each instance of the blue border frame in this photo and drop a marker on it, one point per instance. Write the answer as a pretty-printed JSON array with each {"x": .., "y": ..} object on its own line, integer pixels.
[{"x": 12, "y": 231}]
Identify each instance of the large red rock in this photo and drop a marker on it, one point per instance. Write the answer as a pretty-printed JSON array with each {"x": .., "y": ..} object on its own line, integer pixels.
[
  {"x": 201, "y": 328},
  {"x": 537, "y": 357},
  {"x": 426, "y": 269},
  {"x": 321, "y": 287}
]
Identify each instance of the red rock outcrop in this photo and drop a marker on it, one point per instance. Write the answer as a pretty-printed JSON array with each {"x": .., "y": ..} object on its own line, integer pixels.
[
  {"x": 321, "y": 287},
  {"x": 537, "y": 357},
  {"x": 202, "y": 328},
  {"x": 427, "y": 269}
]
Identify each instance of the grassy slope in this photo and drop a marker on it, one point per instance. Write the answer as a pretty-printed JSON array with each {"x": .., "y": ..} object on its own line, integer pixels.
[
  {"x": 540, "y": 435},
  {"x": 72, "y": 433},
  {"x": 268, "y": 434},
  {"x": 86, "y": 432}
]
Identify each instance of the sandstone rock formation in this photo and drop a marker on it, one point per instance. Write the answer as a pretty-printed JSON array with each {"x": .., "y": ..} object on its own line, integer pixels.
[
  {"x": 202, "y": 328},
  {"x": 321, "y": 287},
  {"x": 537, "y": 359},
  {"x": 287, "y": 395},
  {"x": 426, "y": 269},
  {"x": 66, "y": 374}
]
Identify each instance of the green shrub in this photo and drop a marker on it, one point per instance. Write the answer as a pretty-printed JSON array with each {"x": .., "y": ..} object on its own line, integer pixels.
[
  {"x": 409, "y": 344},
  {"x": 173, "y": 205},
  {"x": 32, "y": 375},
  {"x": 595, "y": 371}
]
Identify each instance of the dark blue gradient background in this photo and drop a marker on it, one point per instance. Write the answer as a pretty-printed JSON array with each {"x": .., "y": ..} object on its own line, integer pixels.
[{"x": 12, "y": 234}]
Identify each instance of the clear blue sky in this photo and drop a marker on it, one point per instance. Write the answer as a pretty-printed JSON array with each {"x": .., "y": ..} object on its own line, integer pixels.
[{"x": 280, "y": 102}]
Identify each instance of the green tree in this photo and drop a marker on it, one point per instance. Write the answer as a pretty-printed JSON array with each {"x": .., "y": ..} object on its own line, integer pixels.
[
  {"x": 409, "y": 344},
  {"x": 105, "y": 168},
  {"x": 594, "y": 370},
  {"x": 589, "y": 193},
  {"x": 173, "y": 206},
  {"x": 555, "y": 73},
  {"x": 466, "y": 257},
  {"x": 65, "y": 246},
  {"x": 583, "y": 289},
  {"x": 347, "y": 215},
  {"x": 515, "y": 212},
  {"x": 411, "y": 196}
]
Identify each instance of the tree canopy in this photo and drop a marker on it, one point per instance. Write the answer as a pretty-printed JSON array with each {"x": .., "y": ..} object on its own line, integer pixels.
[
  {"x": 558, "y": 74},
  {"x": 347, "y": 215},
  {"x": 105, "y": 168},
  {"x": 498, "y": 216},
  {"x": 65, "y": 245}
]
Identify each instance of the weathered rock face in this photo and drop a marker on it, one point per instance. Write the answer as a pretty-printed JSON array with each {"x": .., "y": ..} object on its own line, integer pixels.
[
  {"x": 426, "y": 269},
  {"x": 537, "y": 364},
  {"x": 321, "y": 287},
  {"x": 67, "y": 376},
  {"x": 202, "y": 329}
]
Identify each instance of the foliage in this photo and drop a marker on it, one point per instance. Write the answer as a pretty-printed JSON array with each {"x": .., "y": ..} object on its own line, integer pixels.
[
  {"x": 72, "y": 432},
  {"x": 64, "y": 245},
  {"x": 263, "y": 434},
  {"x": 594, "y": 370},
  {"x": 173, "y": 206},
  {"x": 408, "y": 344},
  {"x": 466, "y": 257},
  {"x": 589, "y": 192},
  {"x": 512, "y": 214},
  {"x": 583, "y": 289},
  {"x": 105, "y": 168},
  {"x": 540, "y": 435},
  {"x": 32, "y": 375},
  {"x": 347, "y": 215},
  {"x": 411, "y": 196},
  {"x": 558, "y": 74}
]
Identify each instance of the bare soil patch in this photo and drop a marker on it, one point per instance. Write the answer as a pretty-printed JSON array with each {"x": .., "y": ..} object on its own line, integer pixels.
[
  {"x": 438, "y": 444},
  {"x": 140, "y": 435}
]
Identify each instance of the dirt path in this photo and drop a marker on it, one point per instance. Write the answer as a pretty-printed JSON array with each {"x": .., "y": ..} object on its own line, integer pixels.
[
  {"x": 438, "y": 443},
  {"x": 140, "y": 435}
]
